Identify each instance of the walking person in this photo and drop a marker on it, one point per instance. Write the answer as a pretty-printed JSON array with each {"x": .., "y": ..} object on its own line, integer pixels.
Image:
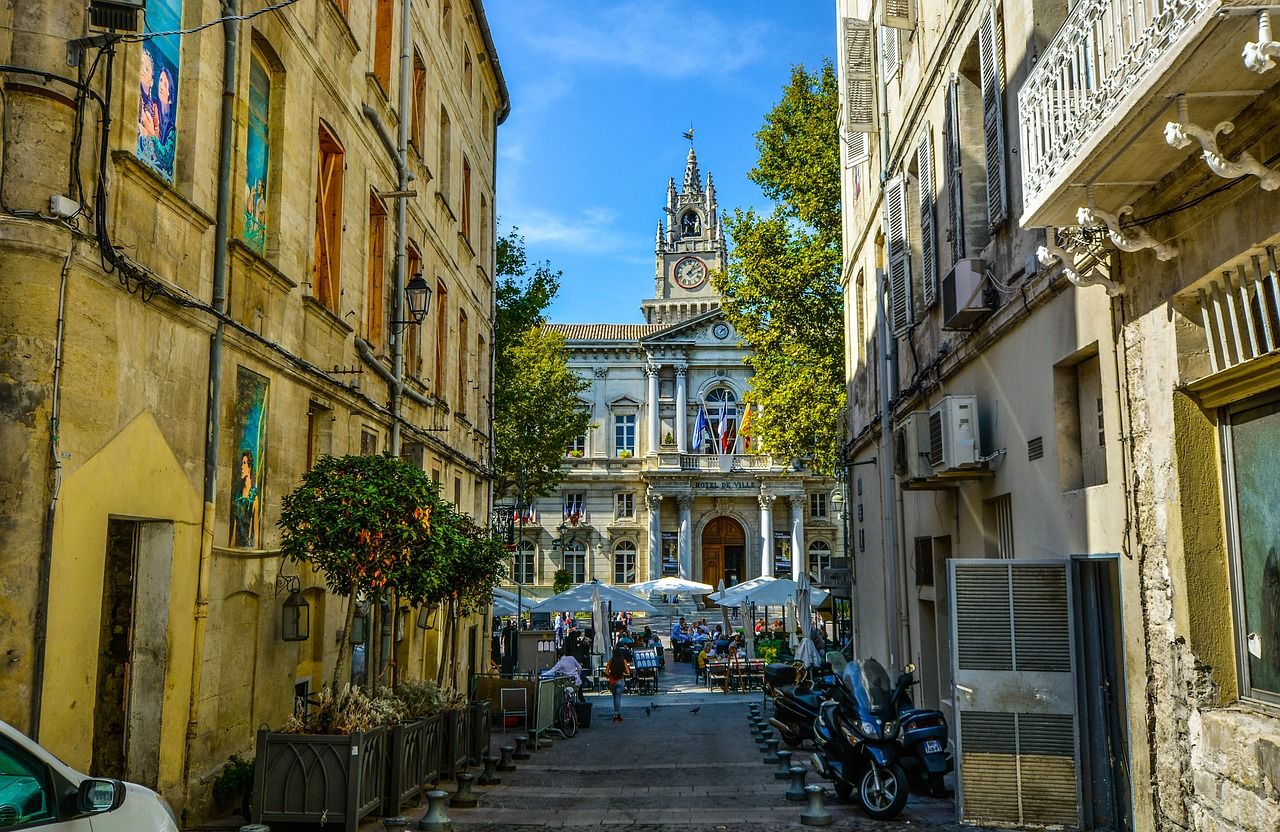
[{"x": 618, "y": 669}]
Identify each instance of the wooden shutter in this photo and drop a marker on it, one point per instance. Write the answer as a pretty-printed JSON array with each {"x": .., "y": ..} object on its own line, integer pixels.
[
  {"x": 857, "y": 149},
  {"x": 898, "y": 14},
  {"x": 895, "y": 206},
  {"x": 890, "y": 55},
  {"x": 928, "y": 233},
  {"x": 953, "y": 165},
  {"x": 859, "y": 75},
  {"x": 1015, "y": 692},
  {"x": 991, "y": 57}
]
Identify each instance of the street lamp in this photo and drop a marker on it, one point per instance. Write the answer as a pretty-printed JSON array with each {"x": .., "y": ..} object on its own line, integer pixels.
[
  {"x": 417, "y": 295},
  {"x": 295, "y": 614}
]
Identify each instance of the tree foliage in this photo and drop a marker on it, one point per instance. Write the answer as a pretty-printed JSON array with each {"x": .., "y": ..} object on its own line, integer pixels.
[
  {"x": 781, "y": 285},
  {"x": 536, "y": 406}
]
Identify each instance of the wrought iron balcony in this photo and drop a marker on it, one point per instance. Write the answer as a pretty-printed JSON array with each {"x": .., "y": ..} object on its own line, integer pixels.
[{"x": 1091, "y": 109}]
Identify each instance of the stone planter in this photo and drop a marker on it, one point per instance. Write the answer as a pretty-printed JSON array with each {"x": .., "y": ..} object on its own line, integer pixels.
[
  {"x": 478, "y": 746},
  {"x": 412, "y": 760},
  {"x": 319, "y": 778}
]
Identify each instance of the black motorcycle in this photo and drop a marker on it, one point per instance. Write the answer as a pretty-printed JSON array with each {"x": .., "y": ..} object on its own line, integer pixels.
[
  {"x": 797, "y": 695},
  {"x": 856, "y": 732}
]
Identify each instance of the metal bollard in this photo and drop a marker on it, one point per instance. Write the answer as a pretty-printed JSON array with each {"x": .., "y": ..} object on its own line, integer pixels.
[
  {"x": 464, "y": 798},
  {"x": 398, "y": 822},
  {"x": 505, "y": 761},
  {"x": 771, "y": 751},
  {"x": 490, "y": 777},
  {"x": 796, "y": 791},
  {"x": 522, "y": 749},
  {"x": 765, "y": 736},
  {"x": 435, "y": 820},
  {"x": 783, "y": 770},
  {"x": 816, "y": 814}
]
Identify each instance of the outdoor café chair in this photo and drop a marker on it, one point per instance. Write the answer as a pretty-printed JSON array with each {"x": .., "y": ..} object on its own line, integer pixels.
[{"x": 514, "y": 702}]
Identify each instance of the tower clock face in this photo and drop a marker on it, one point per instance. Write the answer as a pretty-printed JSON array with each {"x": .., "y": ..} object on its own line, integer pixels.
[{"x": 691, "y": 272}]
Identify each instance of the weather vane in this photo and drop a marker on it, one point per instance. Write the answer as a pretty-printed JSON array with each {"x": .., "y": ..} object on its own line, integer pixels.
[{"x": 688, "y": 134}]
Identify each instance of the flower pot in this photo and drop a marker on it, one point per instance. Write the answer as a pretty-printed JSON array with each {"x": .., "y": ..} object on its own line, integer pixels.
[{"x": 313, "y": 778}]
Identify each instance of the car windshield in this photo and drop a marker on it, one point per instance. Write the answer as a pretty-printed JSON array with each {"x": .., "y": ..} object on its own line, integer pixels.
[{"x": 868, "y": 681}]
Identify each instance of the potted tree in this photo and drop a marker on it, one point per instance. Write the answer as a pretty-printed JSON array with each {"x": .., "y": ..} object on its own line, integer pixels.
[{"x": 367, "y": 524}]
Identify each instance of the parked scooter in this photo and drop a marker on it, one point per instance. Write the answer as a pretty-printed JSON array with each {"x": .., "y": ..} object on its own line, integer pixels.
[
  {"x": 923, "y": 735},
  {"x": 797, "y": 694},
  {"x": 856, "y": 732}
]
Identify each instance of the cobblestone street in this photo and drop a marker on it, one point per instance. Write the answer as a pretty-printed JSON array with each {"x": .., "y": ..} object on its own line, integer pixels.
[{"x": 669, "y": 770}]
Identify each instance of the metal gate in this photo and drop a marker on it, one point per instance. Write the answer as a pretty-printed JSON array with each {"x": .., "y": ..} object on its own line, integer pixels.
[{"x": 1013, "y": 665}]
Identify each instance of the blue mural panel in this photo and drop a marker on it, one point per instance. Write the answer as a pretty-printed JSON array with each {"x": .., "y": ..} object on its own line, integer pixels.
[
  {"x": 158, "y": 87},
  {"x": 249, "y": 427},
  {"x": 257, "y": 156}
]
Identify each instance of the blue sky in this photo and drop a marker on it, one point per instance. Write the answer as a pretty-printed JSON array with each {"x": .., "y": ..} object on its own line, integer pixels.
[{"x": 600, "y": 94}]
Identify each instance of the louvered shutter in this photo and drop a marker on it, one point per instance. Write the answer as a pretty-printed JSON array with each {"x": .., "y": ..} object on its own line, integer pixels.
[
  {"x": 890, "y": 56},
  {"x": 857, "y": 149},
  {"x": 928, "y": 233},
  {"x": 1015, "y": 692},
  {"x": 895, "y": 207},
  {"x": 900, "y": 14},
  {"x": 953, "y": 166},
  {"x": 991, "y": 59},
  {"x": 859, "y": 75}
]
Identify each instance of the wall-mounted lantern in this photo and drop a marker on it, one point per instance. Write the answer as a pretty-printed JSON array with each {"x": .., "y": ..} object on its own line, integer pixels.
[
  {"x": 295, "y": 615},
  {"x": 417, "y": 296},
  {"x": 427, "y": 617},
  {"x": 359, "y": 627}
]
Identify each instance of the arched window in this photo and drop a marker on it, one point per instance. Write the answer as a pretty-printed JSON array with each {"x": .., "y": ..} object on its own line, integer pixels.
[
  {"x": 819, "y": 558},
  {"x": 526, "y": 553},
  {"x": 721, "y": 432},
  {"x": 575, "y": 561},
  {"x": 690, "y": 224},
  {"x": 624, "y": 563}
]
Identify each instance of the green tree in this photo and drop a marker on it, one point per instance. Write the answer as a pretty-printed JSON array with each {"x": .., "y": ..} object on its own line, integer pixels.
[
  {"x": 781, "y": 285},
  {"x": 369, "y": 525},
  {"x": 536, "y": 406}
]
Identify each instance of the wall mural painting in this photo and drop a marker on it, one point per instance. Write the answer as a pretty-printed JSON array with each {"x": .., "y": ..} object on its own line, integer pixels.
[
  {"x": 249, "y": 426},
  {"x": 158, "y": 87},
  {"x": 257, "y": 156}
]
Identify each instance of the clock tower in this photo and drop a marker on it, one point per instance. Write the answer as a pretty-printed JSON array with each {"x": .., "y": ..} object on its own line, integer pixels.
[{"x": 690, "y": 245}]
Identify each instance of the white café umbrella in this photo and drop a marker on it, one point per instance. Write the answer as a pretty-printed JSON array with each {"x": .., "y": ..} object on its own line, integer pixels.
[
  {"x": 767, "y": 592},
  {"x": 503, "y": 607},
  {"x": 581, "y": 597},
  {"x": 670, "y": 586},
  {"x": 599, "y": 644},
  {"x": 807, "y": 652},
  {"x": 748, "y": 629},
  {"x": 724, "y": 613},
  {"x": 737, "y": 589},
  {"x": 789, "y": 622}
]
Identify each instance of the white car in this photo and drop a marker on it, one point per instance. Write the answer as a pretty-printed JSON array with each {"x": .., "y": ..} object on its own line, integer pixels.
[{"x": 39, "y": 791}]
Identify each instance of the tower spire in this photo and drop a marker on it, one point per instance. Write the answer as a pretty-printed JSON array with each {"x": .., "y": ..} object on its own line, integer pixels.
[{"x": 692, "y": 177}]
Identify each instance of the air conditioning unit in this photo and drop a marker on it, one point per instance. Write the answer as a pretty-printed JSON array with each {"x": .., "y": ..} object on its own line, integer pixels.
[
  {"x": 953, "y": 434},
  {"x": 964, "y": 302},
  {"x": 910, "y": 447},
  {"x": 116, "y": 15}
]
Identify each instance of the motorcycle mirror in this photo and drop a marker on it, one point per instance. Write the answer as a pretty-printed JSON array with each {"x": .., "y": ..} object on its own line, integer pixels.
[{"x": 910, "y": 668}]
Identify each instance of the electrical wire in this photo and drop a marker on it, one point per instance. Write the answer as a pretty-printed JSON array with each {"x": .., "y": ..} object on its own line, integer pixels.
[{"x": 216, "y": 21}]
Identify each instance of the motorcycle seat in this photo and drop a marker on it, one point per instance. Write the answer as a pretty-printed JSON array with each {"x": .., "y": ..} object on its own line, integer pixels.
[{"x": 804, "y": 698}]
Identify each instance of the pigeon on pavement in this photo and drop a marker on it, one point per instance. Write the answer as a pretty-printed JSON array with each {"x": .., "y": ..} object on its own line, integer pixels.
[
  {"x": 647, "y": 711},
  {"x": 695, "y": 710}
]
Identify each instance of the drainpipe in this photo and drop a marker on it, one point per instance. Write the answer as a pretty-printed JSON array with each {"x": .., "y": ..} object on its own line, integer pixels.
[
  {"x": 213, "y": 413},
  {"x": 402, "y": 210}
]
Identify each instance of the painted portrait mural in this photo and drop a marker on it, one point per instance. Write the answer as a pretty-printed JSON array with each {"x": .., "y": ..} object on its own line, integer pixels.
[
  {"x": 257, "y": 156},
  {"x": 249, "y": 427},
  {"x": 158, "y": 88}
]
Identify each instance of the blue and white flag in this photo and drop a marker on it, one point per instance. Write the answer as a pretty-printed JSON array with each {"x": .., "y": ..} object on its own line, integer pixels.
[{"x": 701, "y": 426}]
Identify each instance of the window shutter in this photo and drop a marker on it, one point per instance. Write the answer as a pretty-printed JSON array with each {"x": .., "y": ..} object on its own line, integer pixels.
[
  {"x": 857, "y": 149},
  {"x": 890, "y": 57},
  {"x": 899, "y": 14},
  {"x": 953, "y": 165},
  {"x": 859, "y": 75},
  {"x": 928, "y": 235},
  {"x": 991, "y": 55},
  {"x": 895, "y": 206}
]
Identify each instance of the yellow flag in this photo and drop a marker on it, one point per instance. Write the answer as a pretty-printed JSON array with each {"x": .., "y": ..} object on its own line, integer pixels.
[{"x": 744, "y": 430}]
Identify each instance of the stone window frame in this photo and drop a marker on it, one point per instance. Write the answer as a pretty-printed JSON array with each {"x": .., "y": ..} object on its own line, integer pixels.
[
  {"x": 624, "y": 505},
  {"x": 623, "y": 549},
  {"x": 529, "y": 548}
]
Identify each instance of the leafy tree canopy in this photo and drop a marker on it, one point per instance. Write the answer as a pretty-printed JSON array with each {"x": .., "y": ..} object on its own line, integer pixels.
[
  {"x": 536, "y": 409},
  {"x": 781, "y": 285}
]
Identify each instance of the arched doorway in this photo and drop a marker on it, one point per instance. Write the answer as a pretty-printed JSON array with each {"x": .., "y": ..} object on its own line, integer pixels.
[{"x": 724, "y": 548}]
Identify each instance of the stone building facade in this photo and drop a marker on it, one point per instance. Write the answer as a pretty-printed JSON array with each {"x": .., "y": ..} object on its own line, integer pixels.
[
  {"x": 650, "y": 490},
  {"x": 1064, "y": 314},
  {"x": 144, "y": 586}
]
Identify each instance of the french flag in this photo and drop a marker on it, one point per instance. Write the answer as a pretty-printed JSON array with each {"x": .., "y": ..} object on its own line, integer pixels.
[{"x": 723, "y": 429}]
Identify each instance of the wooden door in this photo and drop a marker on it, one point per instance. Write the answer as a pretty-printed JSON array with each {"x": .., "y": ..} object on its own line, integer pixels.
[{"x": 712, "y": 563}]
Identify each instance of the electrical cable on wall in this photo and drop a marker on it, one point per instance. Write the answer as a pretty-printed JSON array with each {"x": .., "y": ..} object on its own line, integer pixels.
[{"x": 215, "y": 22}]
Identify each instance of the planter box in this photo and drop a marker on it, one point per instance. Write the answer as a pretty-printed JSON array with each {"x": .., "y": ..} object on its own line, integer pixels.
[
  {"x": 319, "y": 778},
  {"x": 456, "y": 748},
  {"x": 481, "y": 725},
  {"x": 413, "y": 759}
]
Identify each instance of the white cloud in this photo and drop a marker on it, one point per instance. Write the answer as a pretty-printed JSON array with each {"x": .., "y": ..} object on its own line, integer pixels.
[
  {"x": 661, "y": 38},
  {"x": 593, "y": 229}
]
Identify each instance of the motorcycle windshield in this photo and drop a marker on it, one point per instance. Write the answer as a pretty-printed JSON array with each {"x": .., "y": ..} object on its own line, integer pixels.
[{"x": 869, "y": 683}]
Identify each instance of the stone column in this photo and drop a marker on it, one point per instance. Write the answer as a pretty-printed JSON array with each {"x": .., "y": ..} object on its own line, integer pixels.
[
  {"x": 682, "y": 418},
  {"x": 798, "y": 553},
  {"x": 766, "y": 534},
  {"x": 651, "y": 370},
  {"x": 685, "y": 501},
  {"x": 654, "y": 501}
]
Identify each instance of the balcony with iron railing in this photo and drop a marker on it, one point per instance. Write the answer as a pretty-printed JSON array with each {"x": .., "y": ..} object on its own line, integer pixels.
[
  {"x": 714, "y": 463},
  {"x": 1093, "y": 110}
]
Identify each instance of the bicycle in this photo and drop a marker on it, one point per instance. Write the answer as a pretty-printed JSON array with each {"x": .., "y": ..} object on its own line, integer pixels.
[{"x": 567, "y": 719}]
